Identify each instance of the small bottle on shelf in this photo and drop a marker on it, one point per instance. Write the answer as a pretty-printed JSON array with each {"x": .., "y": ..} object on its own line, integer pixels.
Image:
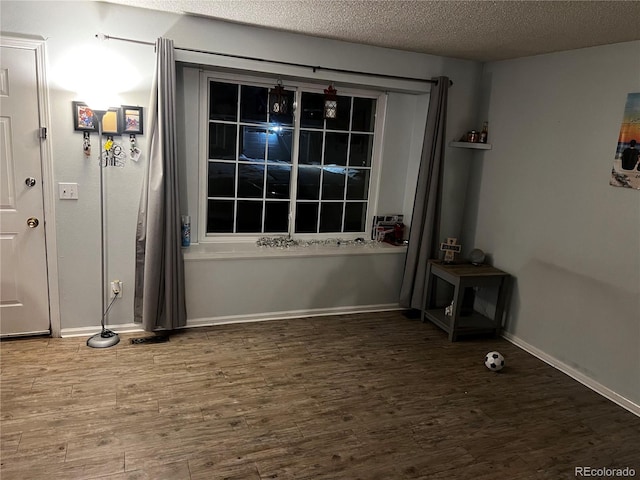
[{"x": 484, "y": 134}]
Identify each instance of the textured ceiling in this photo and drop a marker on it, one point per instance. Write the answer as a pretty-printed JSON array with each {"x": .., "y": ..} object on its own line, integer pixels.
[{"x": 474, "y": 30}]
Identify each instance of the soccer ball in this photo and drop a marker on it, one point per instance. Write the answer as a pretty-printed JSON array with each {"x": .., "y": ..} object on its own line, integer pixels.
[{"x": 494, "y": 361}]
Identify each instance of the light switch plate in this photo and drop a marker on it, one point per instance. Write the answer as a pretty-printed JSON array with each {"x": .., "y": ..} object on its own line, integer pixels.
[{"x": 68, "y": 191}]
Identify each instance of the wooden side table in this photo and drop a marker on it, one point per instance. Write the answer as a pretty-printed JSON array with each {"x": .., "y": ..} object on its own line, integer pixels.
[{"x": 462, "y": 276}]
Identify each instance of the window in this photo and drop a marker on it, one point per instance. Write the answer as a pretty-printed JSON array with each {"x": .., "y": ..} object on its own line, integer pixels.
[{"x": 287, "y": 173}]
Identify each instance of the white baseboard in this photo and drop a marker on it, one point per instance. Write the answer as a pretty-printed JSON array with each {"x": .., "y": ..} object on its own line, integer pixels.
[
  {"x": 575, "y": 374},
  {"x": 318, "y": 312},
  {"x": 256, "y": 317},
  {"x": 88, "y": 331}
]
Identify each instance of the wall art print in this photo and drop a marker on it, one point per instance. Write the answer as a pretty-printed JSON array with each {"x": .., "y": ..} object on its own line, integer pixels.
[
  {"x": 131, "y": 119},
  {"x": 626, "y": 164}
]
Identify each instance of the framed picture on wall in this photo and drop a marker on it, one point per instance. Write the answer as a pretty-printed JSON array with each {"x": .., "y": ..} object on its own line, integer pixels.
[
  {"x": 84, "y": 120},
  {"x": 111, "y": 122},
  {"x": 131, "y": 119}
]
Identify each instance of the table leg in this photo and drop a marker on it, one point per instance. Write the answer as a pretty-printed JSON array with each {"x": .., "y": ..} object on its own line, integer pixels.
[
  {"x": 427, "y": 294},
  {"x": 500, "y": 304},
  {"x": 458, "y": 294}
]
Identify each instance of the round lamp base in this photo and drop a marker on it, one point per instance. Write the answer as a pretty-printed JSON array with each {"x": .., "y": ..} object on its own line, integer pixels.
[{"x": 103, "y": 339}]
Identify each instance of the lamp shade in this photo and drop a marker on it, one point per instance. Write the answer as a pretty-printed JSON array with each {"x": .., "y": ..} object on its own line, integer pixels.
[{"x": 98, "y": 99}]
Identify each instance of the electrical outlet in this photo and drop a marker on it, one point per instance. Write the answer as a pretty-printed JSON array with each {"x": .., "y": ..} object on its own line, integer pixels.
[{"x": 116, "y": 289}]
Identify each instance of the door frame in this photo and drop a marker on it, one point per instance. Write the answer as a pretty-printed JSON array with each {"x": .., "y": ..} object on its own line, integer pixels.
[{"x": 38, "y": 46}]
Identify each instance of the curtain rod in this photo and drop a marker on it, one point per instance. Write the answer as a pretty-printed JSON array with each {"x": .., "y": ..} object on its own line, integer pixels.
[{"x": 315, "y": 68}]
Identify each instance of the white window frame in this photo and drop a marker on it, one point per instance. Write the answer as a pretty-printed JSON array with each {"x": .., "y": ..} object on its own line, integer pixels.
[{"x": 297, "y": 86}]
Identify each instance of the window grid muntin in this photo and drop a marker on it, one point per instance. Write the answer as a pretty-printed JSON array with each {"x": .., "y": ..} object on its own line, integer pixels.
[
  {"x": 237, "y": 162},
  {"x": 366, "y": 204},
  {"x": 323, "y": 164}
]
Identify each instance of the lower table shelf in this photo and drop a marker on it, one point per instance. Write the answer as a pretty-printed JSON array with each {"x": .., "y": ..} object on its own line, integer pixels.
[{"x": 474, "y": 323}]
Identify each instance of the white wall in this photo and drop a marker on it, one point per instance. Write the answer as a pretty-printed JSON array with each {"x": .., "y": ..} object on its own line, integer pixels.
[
  {"x": 540, "y": 204},
  {"x": 67, "y": 25}
]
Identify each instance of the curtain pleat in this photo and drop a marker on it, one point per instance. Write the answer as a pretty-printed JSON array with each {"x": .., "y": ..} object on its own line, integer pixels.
[
  {"x": 424, "y": 234},
  {"x": 159, "y": 302}
]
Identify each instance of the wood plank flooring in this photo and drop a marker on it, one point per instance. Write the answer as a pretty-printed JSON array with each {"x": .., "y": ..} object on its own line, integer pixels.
[{"x": 371, "y": 396}]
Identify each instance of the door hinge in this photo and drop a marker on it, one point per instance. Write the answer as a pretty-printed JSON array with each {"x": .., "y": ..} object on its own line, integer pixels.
[{"x": 43, "y": 132}]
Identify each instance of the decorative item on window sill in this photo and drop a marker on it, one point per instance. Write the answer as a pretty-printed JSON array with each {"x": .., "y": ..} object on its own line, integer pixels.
[
  {"x": 278, "y": 102},
  {"x": 330, "y": 102},
  {"x": 287, "y": 242},
  {"x": 186, "y": 230},
  {"x": 388, "y": 228}
]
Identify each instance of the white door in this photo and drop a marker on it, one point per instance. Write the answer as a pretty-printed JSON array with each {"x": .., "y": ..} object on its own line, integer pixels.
[{"x": 24, "y": 298}]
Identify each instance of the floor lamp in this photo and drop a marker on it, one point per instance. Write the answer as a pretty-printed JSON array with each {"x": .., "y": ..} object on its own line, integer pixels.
[{"x": 106, "y": 338}]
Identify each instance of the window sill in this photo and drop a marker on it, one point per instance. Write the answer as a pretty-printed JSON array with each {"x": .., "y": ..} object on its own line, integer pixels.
[{"x": 230, "y": 251}]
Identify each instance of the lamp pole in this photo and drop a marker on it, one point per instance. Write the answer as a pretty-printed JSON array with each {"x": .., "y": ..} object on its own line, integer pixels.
[{"x": 106, "y": 338}]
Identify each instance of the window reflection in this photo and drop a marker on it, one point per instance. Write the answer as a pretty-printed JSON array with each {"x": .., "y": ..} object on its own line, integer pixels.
[
  {"x": 306, "y": 217},
  {"x": 312, "y": 110},
  {"x": 252, "y": 143},
  {"x": 249, "y": 216},
  {"x": 280, "y": 142},
  {"x": 333, "y": 179},
  {"x": 331, "y": 217},
  {"x": 250, "y": 180},
  {"x": 276, "y": 217},
  {"x": 335, "y": 148},
  {"x": 354, "y": 216},
  {"x": 253, "y": 104},
  {"x": 364, "y": 114},
  {"x": 357, "y": 184},
  {"x": 310, "y": 148},
  {"x": 220, "y": 216},
  {"x": 361, "y": 150},
  {"x": 222, "y": 141},
  {"x": 223, "y": 101},
  {"x": 278, "y": 181},
  {"x": 308, "y": 182},
  {"x": 222, "y": 179}
]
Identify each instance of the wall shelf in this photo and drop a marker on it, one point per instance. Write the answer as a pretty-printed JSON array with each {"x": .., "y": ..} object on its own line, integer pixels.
[{"x": 477, "y": 146}]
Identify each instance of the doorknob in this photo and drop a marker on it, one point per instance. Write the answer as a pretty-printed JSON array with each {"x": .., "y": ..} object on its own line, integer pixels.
[
  {"x": 33, "y": 222},
  {"x": 30, "y": 181}
]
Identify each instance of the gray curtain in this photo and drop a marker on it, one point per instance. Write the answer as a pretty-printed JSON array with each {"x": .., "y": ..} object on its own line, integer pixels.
[
  {"x": 424, "y": 236},
  {"x": 159, "y": 302}
]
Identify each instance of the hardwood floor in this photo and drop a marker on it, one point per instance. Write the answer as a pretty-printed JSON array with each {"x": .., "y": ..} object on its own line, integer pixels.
[{"x": 371, "y": 396}]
